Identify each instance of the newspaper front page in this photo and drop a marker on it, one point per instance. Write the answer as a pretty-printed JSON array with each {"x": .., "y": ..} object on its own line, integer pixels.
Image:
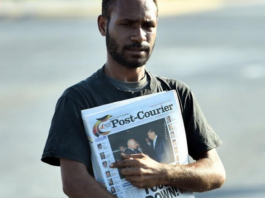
[{"x": 151, "y": 125}]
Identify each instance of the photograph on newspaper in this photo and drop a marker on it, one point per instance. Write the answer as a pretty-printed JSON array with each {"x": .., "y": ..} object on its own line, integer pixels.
[{"x": 152, "y": 139}]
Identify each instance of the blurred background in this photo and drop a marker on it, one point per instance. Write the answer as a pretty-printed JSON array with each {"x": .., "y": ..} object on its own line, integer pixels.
[{"x": 217, "y": 47}]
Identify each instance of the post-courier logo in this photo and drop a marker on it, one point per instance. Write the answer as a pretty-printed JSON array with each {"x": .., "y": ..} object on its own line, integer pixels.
[{"x": 103, "y": 126}]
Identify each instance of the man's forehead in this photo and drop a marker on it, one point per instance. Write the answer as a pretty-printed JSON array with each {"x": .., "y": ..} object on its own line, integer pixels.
[{"x": 135, "y": 9}]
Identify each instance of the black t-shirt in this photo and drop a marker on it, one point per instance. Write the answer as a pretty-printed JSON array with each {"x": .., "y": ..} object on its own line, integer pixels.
[{"x": 67, "y": 138}]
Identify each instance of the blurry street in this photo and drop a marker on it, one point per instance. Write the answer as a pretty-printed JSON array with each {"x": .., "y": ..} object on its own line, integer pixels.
[{"x": 220, "y": 54}]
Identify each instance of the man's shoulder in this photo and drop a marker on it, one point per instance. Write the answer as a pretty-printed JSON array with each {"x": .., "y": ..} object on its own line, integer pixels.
[
  {"x": 83, "y": 90},
  {"x": 173, "y": 84},
  {"x": 128, "y": 151},
  {"x": 88, "y": 83}
]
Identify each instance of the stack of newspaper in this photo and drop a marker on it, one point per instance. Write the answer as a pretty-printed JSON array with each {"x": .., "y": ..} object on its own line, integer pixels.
[{"x": 149, "y": 124}]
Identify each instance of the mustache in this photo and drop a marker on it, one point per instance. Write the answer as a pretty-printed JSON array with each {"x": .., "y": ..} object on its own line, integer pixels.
[{"x": 137, "y": 46}]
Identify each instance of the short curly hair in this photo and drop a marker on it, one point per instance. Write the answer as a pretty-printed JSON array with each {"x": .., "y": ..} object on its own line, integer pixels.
[{"x": 107, "y": 6}]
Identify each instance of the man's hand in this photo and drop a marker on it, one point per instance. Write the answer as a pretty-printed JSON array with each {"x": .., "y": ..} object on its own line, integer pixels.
[
  {"x": 140, "y": 170},
  {"x": 203, "y": 175}
]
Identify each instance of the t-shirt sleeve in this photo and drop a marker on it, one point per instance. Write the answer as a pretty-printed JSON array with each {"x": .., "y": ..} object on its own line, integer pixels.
[
  {"x": 67, "y": 138},
  {"x": 200, "y": 135}
]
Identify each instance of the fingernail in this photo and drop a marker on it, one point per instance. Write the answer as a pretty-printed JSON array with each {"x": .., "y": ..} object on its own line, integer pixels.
[{"x": 111, "y": 165}]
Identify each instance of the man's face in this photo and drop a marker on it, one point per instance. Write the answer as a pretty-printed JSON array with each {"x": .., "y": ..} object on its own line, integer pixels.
[
  {"x": 122, "y": 148},
  {"x": 151, "y": 135},
  {"x": 131, "y": 32},
  {"x": 108, "y": 174},
  {"x": 132, "y": 144}
]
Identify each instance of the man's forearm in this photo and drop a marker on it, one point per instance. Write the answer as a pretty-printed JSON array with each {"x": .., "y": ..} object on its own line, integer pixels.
[
  {"x": 77, "y": 183},
  {"x": 203, "y": 175},
  {"x": 86, "y": 189}
]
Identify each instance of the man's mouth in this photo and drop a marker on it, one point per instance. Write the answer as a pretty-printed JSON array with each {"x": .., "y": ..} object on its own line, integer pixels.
[
  {"x": 137, "y": 49},
  {"x": 137, "y": 52}
]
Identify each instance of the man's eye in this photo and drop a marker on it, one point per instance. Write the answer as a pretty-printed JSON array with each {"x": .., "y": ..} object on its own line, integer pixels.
[{"x": 126, "y": 24}]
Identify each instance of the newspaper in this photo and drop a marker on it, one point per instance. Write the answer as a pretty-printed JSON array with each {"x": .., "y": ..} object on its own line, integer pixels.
[{"x": 149, "y": 124}]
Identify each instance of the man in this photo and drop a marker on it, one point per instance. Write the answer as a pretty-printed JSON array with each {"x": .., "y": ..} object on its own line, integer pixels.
[
  {"x": 112, "y": 189},
  {"x": 110, "y": 182},
  {"x": 174, "y": 142},
  {"x": 108, "y": 174},
  {"x": 130, "y": 30},
  {"x": 139, "y": 149},
  {"x": 105, "y": 164},
  {"x": 170, "y": 127},
  {"x": 99, "y": 146},
  {"x": 102, "y": 155},
  {"x": 161, "y": 153},
  {"x": 132, "y": 147},
  {"x": 120, "y": 151},
  {"x": 121, "y": 148},
  {"x": 168, "y": 119}
]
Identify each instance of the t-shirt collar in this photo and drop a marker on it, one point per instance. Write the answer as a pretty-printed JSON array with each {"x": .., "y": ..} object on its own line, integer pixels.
[{"x": 152, "y": 88}]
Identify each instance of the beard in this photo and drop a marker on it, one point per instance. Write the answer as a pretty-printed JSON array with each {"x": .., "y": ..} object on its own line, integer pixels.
[{"x": 120, "y": 56}]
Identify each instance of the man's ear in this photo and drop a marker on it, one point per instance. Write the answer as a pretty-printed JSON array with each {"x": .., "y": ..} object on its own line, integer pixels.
[{"x": 102, "y": 25}]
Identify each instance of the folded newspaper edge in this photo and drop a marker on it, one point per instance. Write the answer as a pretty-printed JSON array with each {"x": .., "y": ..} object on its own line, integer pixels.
[{"x": 150, "y": 124}]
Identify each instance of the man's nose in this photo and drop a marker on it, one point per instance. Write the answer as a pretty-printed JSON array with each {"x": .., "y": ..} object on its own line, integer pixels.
[{"x": 139, "y": 35}]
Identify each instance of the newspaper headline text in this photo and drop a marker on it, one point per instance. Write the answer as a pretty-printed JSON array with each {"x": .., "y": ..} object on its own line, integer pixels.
[{"x": 141, "y": 115}]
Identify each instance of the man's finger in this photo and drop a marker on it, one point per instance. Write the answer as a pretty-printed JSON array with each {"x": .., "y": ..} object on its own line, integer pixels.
[
  {"x": 138, "y": 156},
  {"x": 137, "y": 171},
  {"x": 125, "y": 156}
]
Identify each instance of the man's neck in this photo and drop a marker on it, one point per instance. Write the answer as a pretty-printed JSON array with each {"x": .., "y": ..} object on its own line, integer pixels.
[{"x": 121, "y": 73}]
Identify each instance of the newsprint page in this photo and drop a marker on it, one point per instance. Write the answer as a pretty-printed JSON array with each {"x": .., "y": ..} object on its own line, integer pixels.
[{"x": 149, "y": 124}]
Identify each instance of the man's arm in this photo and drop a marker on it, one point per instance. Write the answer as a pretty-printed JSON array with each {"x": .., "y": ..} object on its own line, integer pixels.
[
  {"x": 77, "y": 183},
  {"x": 203, "y": 175}
]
